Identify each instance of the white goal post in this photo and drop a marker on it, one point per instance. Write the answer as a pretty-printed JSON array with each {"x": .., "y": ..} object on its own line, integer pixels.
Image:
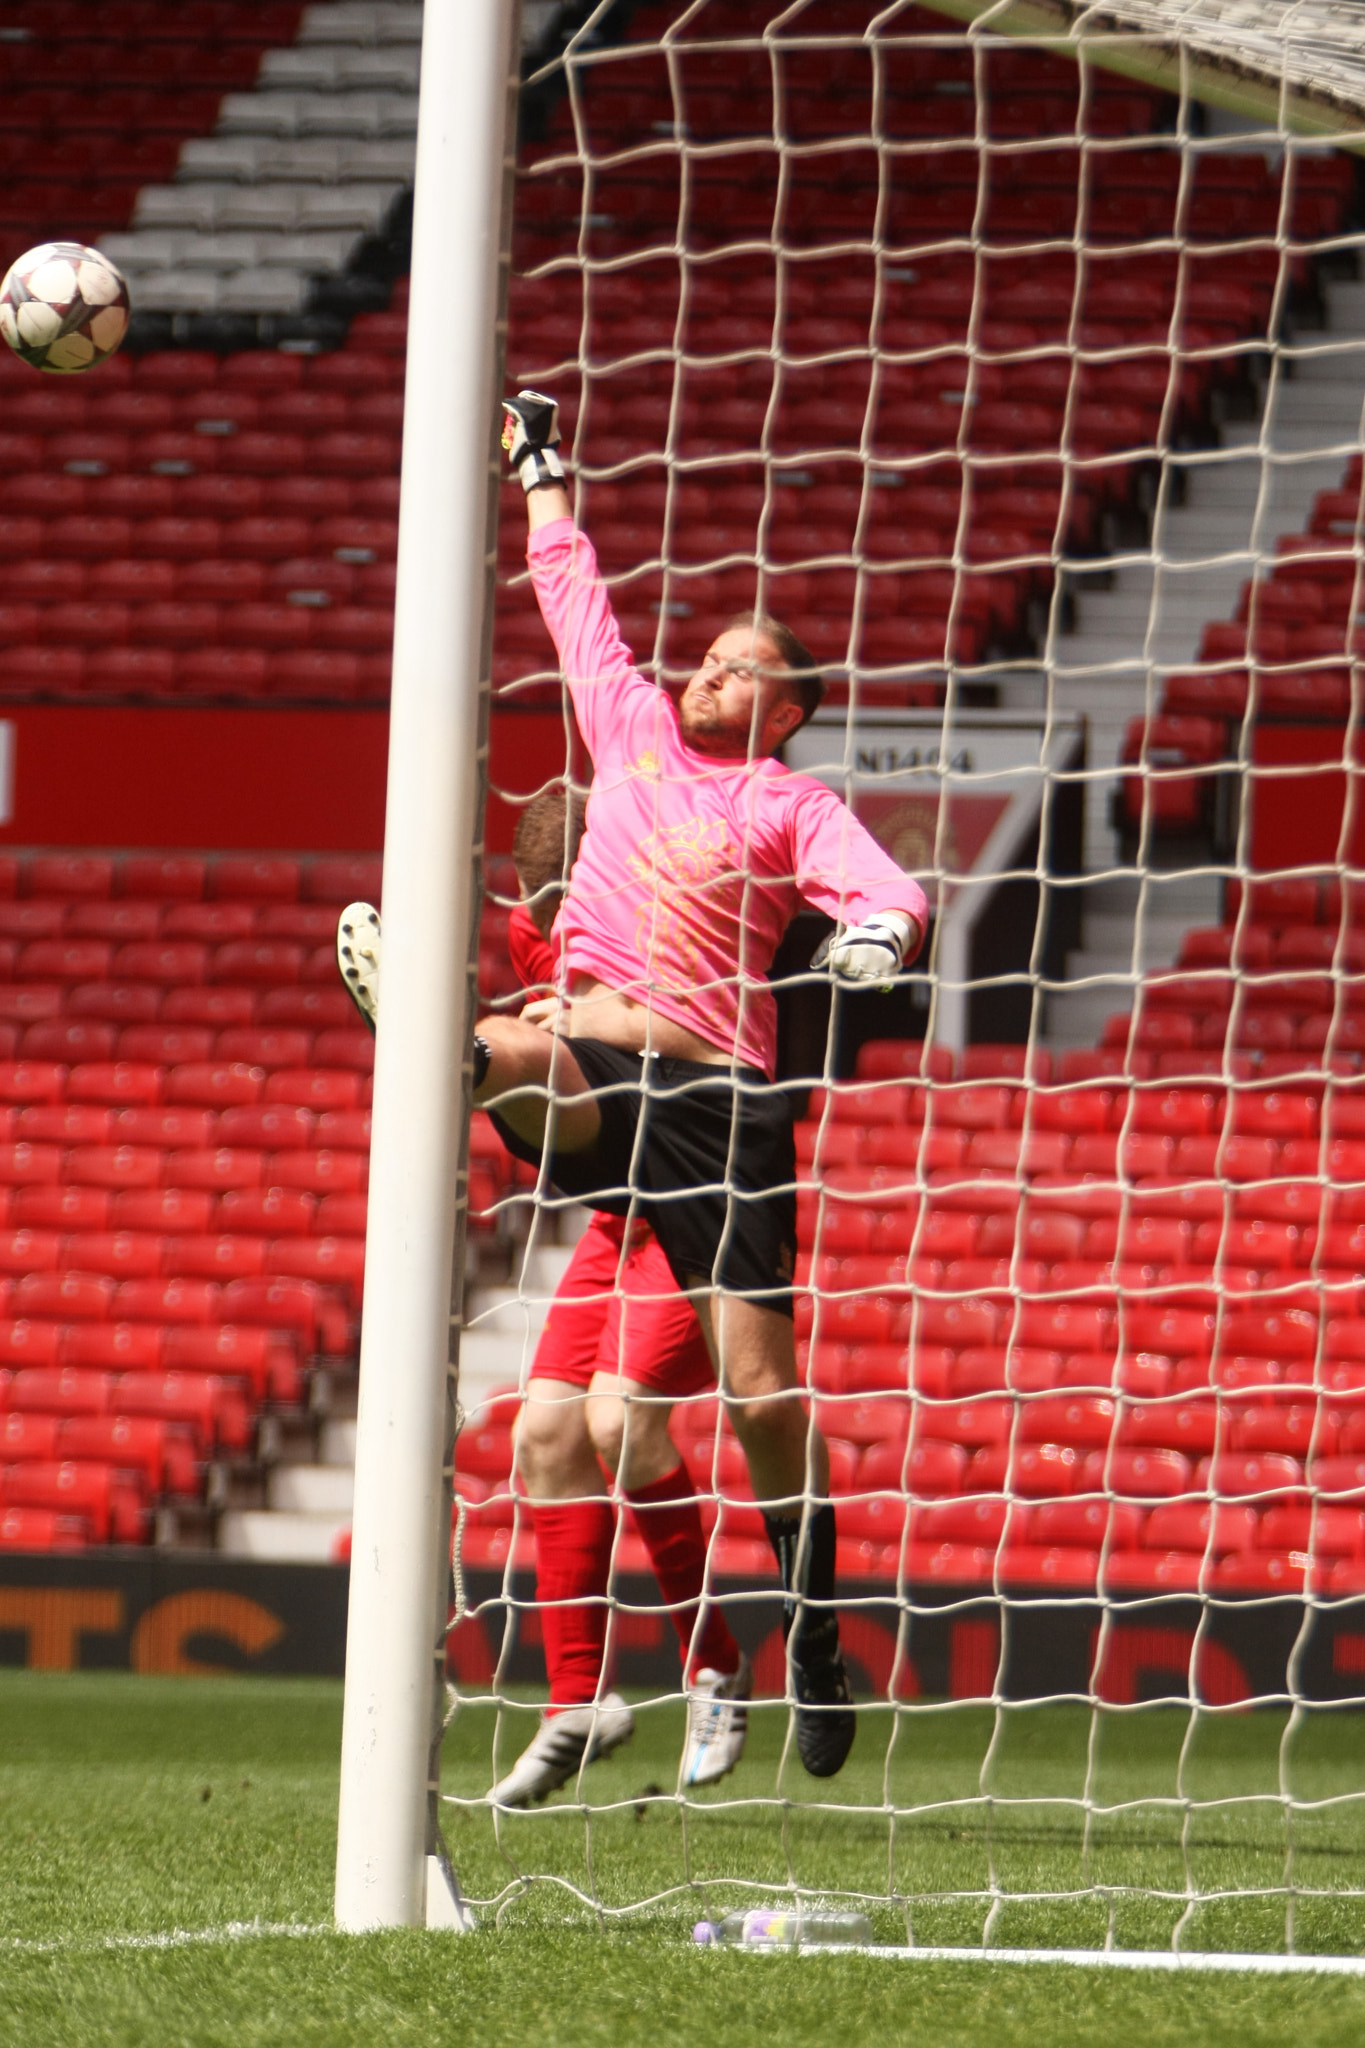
[{"x": 389, "y": 1873}]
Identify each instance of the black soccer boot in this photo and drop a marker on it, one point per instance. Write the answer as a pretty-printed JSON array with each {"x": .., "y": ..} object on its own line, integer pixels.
[{"x": 826, "y": 1721}]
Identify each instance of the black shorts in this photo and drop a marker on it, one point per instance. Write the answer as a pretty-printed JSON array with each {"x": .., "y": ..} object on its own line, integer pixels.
[{"x": 704, "y": 1154}]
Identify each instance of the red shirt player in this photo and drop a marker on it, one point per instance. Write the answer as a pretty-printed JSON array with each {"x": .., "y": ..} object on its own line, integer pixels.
[{"x": 620, "y": 1345}]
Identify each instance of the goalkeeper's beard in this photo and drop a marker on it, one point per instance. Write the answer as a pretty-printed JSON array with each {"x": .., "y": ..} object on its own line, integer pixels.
[{"x": 707, "y": 730}]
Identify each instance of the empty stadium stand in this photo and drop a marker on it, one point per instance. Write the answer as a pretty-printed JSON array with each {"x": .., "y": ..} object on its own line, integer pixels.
[
  {"x": 221, "y": 526},
  {"x": 1092, "y": 1321},
  {"x": 184, "y": 1140}
]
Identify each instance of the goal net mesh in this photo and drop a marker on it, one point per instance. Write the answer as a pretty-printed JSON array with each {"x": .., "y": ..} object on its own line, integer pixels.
[{"x": 1026, "y": 386}]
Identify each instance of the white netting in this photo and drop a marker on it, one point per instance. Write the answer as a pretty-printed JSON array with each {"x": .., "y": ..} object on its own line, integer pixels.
[{"x": 1030, "y": 396}]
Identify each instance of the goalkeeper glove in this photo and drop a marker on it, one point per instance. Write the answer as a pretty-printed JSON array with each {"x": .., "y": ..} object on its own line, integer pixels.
[
  {"x": 530, "y": 434},
  {"x": 868, "y": 952}
]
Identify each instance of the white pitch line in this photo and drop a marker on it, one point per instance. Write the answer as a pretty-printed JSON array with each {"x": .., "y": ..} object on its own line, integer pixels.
[
  {"x": 1092, "y": 1958},
  {"x": 179, "y": 1937}
]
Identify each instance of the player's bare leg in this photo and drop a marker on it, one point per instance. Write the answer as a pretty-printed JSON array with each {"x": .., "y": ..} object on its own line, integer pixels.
[
  {"x": 512, "y": 1055},
  {"x": 629, "y": 1429},
  {"x": 555, "y": 1453},
  {"x": 560, "y": 1438},
  {"x": 756, "y": 1356},
  {"x": 556, "y": 1460}
]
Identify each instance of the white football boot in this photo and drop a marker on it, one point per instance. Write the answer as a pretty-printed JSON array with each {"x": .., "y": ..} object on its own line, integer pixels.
[
  {"x": 717, "y": 1723},
  {"x": 358, "y": 957},
  {"x": 562, "y": 1744}
]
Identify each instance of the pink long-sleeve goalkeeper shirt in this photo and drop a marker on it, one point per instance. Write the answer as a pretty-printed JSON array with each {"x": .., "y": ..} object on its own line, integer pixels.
[{"x": 690, "y": 868}]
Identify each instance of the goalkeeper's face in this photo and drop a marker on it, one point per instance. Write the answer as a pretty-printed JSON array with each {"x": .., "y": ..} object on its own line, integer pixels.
[{"x": 738, "y": 703}]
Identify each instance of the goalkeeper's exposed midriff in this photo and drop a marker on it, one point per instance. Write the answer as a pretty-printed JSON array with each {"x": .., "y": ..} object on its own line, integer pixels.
[{"x": 698, "y": 849}]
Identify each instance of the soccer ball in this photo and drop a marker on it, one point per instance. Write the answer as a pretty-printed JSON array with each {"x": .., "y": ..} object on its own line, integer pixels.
[{"x": 63, "y": 307}]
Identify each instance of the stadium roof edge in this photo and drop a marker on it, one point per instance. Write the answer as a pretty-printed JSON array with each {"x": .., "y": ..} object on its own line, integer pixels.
[{"x": 1234, "y": 54}]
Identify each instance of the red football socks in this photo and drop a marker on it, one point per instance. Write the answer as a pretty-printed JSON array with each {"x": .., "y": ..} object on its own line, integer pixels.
[
  {"x": 573, "y": 1559},
  {"x": 669, "y": 1521}
]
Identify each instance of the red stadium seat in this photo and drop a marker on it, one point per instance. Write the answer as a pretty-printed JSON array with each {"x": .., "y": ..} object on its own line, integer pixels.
[
  {"x": 313, "y": 923},
  {"x": 62, "y": 1123},
  {"x": 1086, "y": 1523},
  {"x": 285, "y": 1304},
  {"x": 257, "y": 880},
  {"x": 165, "y": 1044},
  {"x": 1256, "y": 1476},
  {"x": 214, "y": 1256},
  {"x": 1188, "y": 1426},
  {"x": 174, "y": 1300},
  {"x": 114, "y": 1166},
  {"x": 118, "y": 1083},
  {"x": 29, "y": 1251},
  {"x": 212, "y": 922},
  {"x": 314, "y": 1088},
  {"x": 24, "y": 1342},
  {"x": 223, "y": 671},
  {"x": 117, "y": 920},
  {"x": 111, "y": 1347},
  {"x": 158, "y": 876},
  {"x": 23, "y": 1164},
  {"x": 257, "y": 962},
  {"x": 306, "y": 1009},
  {"x": 201, "y": 1401},
  {"x": 75, "y": 1039},
  {"x": 268, "y": 1127},
  {"x": 1137, "y": 1475},
  {"x": 23, "y": 1435},
  {"x": 345, "y": 1049},
  {"x": 267, "y": 1212},
  {"x": 338, "y": 1261},
  {"x": 228, "y": 1349},
  {"x": 69, "y": 1487},
  {"x": 220, "y": 1167},
  {"x": 63, "y": 1391},
  {"x": 124, "y": 1254},
  {"x": 346, "y": 1216},
  {"x": 214, "y": 1086},
  {"x": 41, "y": 1529},
  {"x": 156, "y": 1124},
  {"x": 258, "y": 1046},
  {"x": 120, "y": 1441},
  {"x": 56, "y": 1207},
  {"x": 343, "y": 1129},
  {"x": 67, "y": 1297},
  {"x": 70, "y": 875},
  {"x": 29, "y": 920},
  {"x": 343, "y": 881},
  {"x": 213, "y": 1008},
  {"x": 31, "y": 1081},
  {"x": 166, "y": 1211},
  {"x": 166, "y": 962}
]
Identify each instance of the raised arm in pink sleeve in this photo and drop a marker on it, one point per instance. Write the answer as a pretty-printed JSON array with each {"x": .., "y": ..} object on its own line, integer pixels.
[
  {"x": 574, "y": 604},
  {"x": 841, "y": 869}
]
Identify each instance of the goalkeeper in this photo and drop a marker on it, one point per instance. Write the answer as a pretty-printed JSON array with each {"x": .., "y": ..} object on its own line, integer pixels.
[{"x": 656, "y": 1098}]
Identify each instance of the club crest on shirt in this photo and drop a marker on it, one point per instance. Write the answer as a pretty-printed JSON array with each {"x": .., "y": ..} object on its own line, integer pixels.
[{"x": 675, "y": 864}]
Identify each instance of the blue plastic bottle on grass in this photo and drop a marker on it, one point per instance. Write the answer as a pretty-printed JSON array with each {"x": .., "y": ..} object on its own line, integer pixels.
[{"x": 784, "y": 1927}]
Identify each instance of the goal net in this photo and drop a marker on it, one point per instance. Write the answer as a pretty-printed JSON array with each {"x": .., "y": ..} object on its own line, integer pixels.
[{"x": 1023, "y": 379}]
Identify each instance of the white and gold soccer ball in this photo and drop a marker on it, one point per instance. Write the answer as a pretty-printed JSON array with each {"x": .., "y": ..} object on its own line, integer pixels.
[{"x": 63, "y": 307}]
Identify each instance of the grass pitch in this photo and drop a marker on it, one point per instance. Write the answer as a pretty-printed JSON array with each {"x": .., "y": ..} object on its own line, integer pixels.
[{"x": 133, "y": 1807}]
